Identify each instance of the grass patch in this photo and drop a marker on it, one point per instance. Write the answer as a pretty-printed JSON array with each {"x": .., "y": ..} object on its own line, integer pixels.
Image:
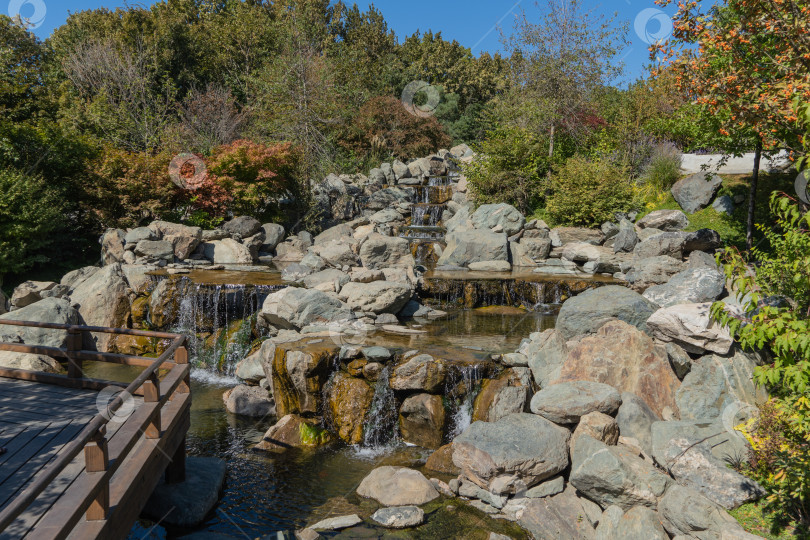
[
  {"x": 756, "y": 519},
  {"x": 732, "y": 228}
]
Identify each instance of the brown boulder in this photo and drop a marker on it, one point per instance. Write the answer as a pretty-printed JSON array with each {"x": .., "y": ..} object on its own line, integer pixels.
[
  {"x": 503, "y": 396},
  {"x": 627, "y": 359},
  {"x": 349, "y": 401},
  {"x": 422, "y": 420},
  {"x": 441, "y": 461},
  {"x": 293, "y": 431}
]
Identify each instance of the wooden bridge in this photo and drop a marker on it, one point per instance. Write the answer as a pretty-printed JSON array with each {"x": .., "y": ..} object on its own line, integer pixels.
[{"x": 83, "y": 455}]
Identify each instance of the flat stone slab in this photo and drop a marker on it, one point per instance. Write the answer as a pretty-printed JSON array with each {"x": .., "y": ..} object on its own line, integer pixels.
[
  {"x": 191, "y": 499},
  {"x": 337, "y": 523},
  {"x": 400, "y": 517}
]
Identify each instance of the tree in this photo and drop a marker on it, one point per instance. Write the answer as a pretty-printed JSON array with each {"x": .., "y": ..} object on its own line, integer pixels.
[
  {"x": 29, "y": 214},
  {"x": 558, "y": 64},
  {"x": 744, "y": 61}
]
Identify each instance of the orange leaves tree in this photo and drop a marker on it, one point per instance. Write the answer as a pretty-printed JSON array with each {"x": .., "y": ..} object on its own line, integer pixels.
[{"x": 745, "y": 61}]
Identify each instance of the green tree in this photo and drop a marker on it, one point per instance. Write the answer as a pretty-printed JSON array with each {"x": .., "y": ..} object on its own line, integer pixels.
[{"x": 29, "y": 213}]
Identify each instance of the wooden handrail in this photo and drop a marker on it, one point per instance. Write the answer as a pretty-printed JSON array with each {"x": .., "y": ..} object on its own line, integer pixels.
[{"x": 91, "y": 431}]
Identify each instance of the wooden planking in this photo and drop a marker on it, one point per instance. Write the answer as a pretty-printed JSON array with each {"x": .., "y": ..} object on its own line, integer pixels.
[
  {"x": 130, "y": 486},
  {"x": 55, "y": 490}
]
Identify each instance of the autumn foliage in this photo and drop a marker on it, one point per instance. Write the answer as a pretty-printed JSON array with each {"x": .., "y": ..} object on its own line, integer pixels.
[
  {"x": 384, "y": 126},
  {"x": 244, "y": 177},
  {"x": 745, "y": 60}
]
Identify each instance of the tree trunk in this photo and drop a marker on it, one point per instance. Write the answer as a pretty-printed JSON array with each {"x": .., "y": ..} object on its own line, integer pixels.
[
  {"x": 749, "y": 238},
  {"x": 551, "y": 143}
]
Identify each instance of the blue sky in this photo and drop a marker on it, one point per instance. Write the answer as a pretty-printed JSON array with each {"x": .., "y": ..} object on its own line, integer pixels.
[{"x": 474, "y": 23}]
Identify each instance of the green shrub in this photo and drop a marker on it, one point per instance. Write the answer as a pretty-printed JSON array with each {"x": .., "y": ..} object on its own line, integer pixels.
[
  {"x": 30, "y": 212},
  {"x": 781, "y": 440},
  {"x": 663, "y": 169},
  {"x": 588, "y": 193},
  {"x": 511, "y": 166}
]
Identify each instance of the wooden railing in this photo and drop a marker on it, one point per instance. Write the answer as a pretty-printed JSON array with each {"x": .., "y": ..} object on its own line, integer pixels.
[{"x": 168, "y": 399}]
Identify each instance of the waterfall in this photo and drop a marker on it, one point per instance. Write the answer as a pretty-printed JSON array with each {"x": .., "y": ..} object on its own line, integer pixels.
[
  {"x": 219, "y": 321},
  {"x": 462, "y": 389},
  {"x": 380, "y": 430}
]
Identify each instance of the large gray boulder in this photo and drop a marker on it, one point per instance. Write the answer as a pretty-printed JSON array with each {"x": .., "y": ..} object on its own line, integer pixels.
[
  {"x": 690, "y": 462},
  {"x": 611, "y": 475},
  {"x": 566, "y": 403},
  {"x": 29, "y": 362},
  {"x": 112, "y": 246},
  {"x": 561, "y": 517},
  {"x": 465, "y": 247},
  {"x": 242, "y": 226},
  {"x": 566, "y": 235},
  {"x": 665, "y": 220},
  {"x": 155, "y": 250},
  {"x": 692, "y": 286},
  {"x": 523, "y": 445},
  {"x": 329, "y": 280},
  {"x": 546, "y": 352},
  {"x": 251, "y": 401},
  {"x": 273, "y": 236},
  {"x": 653, "y": 271},
  {"x": 638, "y": 523},
  {"x": 688, "y": 514},
  {"x": 587, "y": 312},
  {"x": 691, "y": 326},
  {"x": 696, "y": 192},
  {"x": 626, "y": 239},
  {"x": 226, "y": 251},
  {"x": 103, "y": 300},
  {"x": 74, "y": 278},
  {"x": 665, "y": 243},
  {"x": 635, "y": 419},
  {"x": 377, "y": 296},
  {"x": 48, "y": 310},
  {"x": 529, "y": 250},
  {"x": 717, "y": 385},
  {"x": 702, "y": 240},
  {"x": 337, "y": 254},
  {"x": 397, "y": 486},
  {"x": 389, "y": 197},
  {"x": 294, "y": 308},
  {"x": 726, "y": 443},
  {"x": 500, "y": 217},
  {"x": 379, "y": 251},
  {"x": 184, "y": 239},
  {"x": 28, "y": 292}
]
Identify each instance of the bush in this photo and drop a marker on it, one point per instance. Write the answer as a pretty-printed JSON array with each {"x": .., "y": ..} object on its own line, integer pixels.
[
  {"x": 511, "y": 166},
  {"x": 132, "y": 188},
  {"x": 29, "y": 213},
  {"x": 663, "y": 168},
  {"x": 255, "y": 176},
  {"x": 782, "y": 438},
  {"x": 384, "y": 128},
  {"x": 588, "y": 193}
]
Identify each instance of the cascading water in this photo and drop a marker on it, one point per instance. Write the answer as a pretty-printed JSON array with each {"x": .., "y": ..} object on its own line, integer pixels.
[
  {"x": 219, "y": 320},
  {"x": 380, "y": 430},
  {"x": 462, "y": 388}
]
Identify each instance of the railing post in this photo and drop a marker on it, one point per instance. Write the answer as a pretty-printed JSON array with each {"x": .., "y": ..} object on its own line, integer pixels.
[
  {"x": 176, "y": 470},
  {"x": 74, "y": 344},
  {"x": 96, "y": 460},
  {"x": 151, "y": 394},
  {"x": 181, "y": 357}
]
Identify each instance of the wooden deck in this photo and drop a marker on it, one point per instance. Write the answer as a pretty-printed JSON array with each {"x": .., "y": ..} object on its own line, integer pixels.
[{"x": 80, "y": 464}]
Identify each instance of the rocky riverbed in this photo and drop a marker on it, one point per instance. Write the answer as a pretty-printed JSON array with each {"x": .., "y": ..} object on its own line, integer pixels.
[{"x": 598, "y": 401}]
